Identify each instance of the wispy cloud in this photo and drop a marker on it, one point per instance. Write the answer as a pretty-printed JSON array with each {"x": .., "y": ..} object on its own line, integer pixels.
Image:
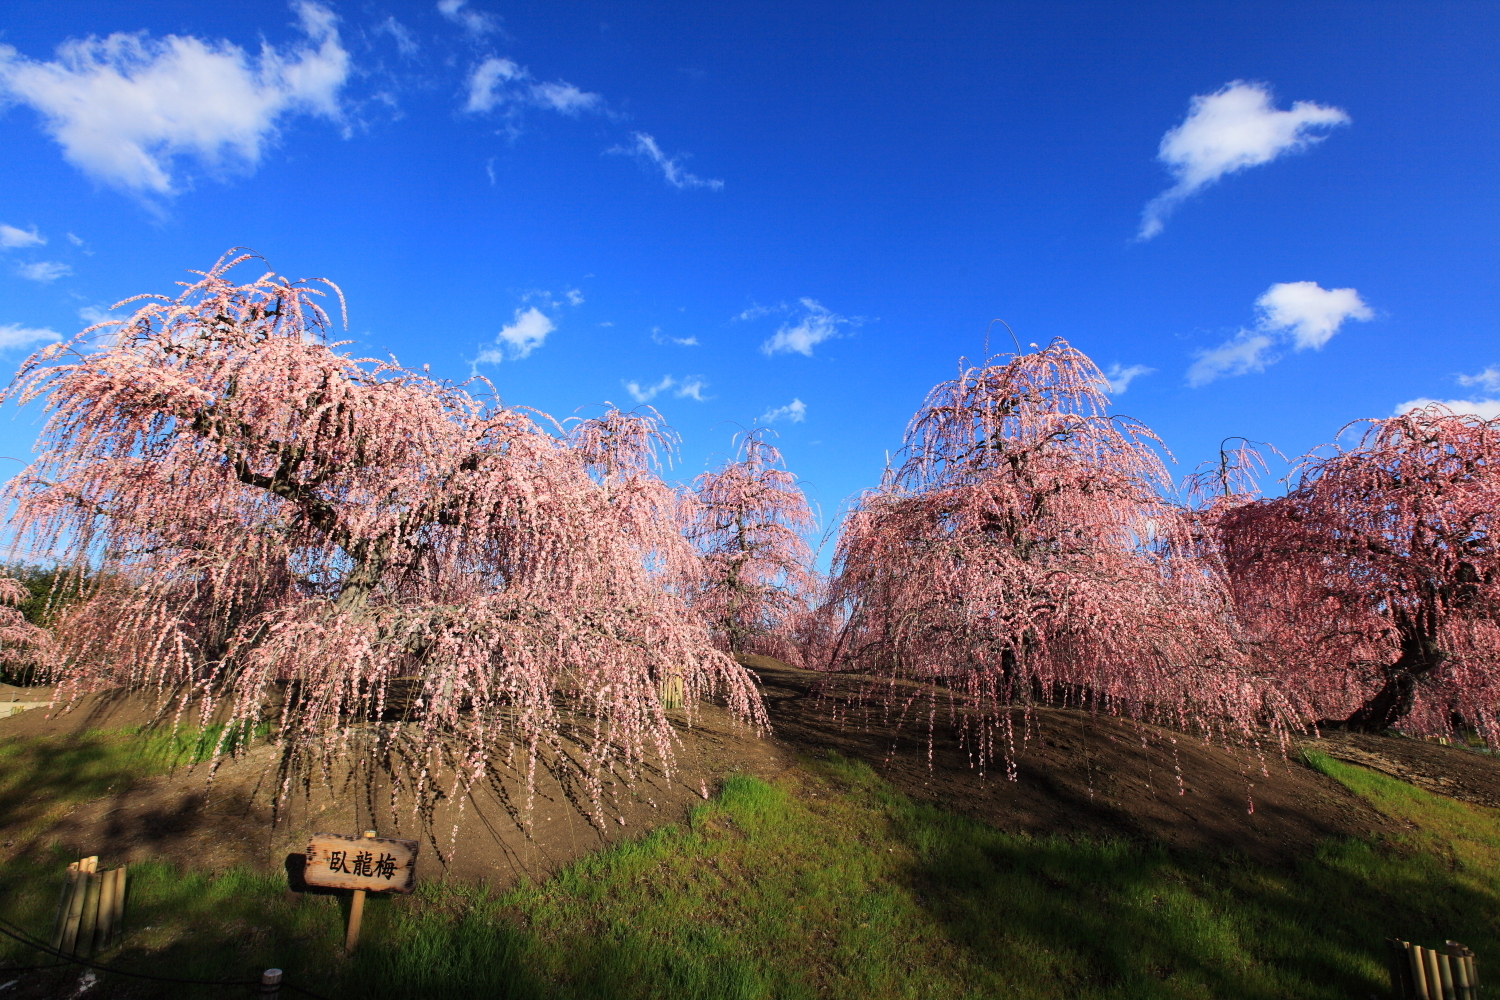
[
  {"x": 12, "y": 238},
  {"x": 1488, "y": 379},
  {"x": 1119, "y": 378},
  {"x": 1489, "y": 408},
  {"x": 406, "y": 42},
  {"x": 1299, "y": 312},
  {"x": 16, "y": 335},
  {"x": 476, "y": 22},
  {"x": 1227, "y": 131},
  {"x": 689, "y": 387},
  {"x": 793, "y": 412},
  {"x": 644, "y": 148},
  {"x": 1486, "y": 409},
  {"x": 44, "y": 270},
  {"x": 518, "y": 339},
  {"x": 815, "y": 325},
  {"x": 657, "y": 337},
  {"x": 505, "y": 85},
  {"x": 126, "y": 108},
  {"x": 575, "y": 296}
]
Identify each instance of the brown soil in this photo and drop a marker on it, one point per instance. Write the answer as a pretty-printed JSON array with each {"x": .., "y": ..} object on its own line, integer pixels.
[{"x": 1074, "y": 774}]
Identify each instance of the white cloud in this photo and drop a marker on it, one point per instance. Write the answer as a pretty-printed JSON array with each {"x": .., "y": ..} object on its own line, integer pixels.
[
  {"x": 11, "y": 238},
  {"x": 562, "y": 96},
  {"x": 795, "y": 412},
  {"x": 1118, "y": 379},
  {"x": 506, "y": 85},
  {"x": 1489, "y": 379},
  {"x": 1246, "y": 352},
  {"x": 126, "y": 107},
  {"x": 756, "y": 312},
  {"x": 644, "y": 394},
  {"x": 646, "y": 150},
  {"x": 517, "y": 340},
  {"x": 657, "y": 337},
  {"x": 575, "y": 296},
  {"x": 690, "y": 387},
  {"x": 406, "y": 42},
  {"x": 16, "y": 335},
  {"x": 1312, "y": 314},
  {"x": 1486, "y": 409},
  {"x": 1227, "y": 131},
  {"x": 475, "y": 22},
  {"x": 1300, "y": 311},
  {"x": 44, "y": 270},
  {"x": 816, "y": 325}
]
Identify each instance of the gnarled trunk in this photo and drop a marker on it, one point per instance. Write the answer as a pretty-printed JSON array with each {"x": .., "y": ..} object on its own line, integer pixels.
[{"x": 1419, "y": 655}]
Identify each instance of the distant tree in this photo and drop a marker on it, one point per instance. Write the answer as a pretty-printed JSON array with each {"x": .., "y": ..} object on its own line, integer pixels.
[
  {"x": 750, "y": 521},
  {"x": 25, "y": 647},
  {"x": 1373, "y": 587},
  {"x": 268, "y": 514},
  {"x": 1024, "y": 547}
]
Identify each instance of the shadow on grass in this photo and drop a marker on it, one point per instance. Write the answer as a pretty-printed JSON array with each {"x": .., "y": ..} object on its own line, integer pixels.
[
  {"x": 1090, "y": 918},
  {"x": 832, "y": 885}
]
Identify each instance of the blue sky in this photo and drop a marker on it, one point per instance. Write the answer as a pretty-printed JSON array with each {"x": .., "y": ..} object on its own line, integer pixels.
[{"x": 1278, "y": 217}]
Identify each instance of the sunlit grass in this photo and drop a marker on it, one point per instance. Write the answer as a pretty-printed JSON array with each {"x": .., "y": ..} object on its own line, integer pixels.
[{"x": 828, "y": 883}]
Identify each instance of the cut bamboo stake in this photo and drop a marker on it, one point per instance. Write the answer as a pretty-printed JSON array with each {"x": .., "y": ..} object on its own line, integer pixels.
[
  {"x": 356, "y": 911},
  {"x": 75, "y": 911},
  {"x": 104, "y": 926},
  {"x": 1419, "y": 972},
  {"x": 64, "y": 904},
  {"x": 270, "y": 983},
  {"x": 1434, "y": 977},
  {"x": 90, "y": 919},
  {"x": 1445, "y": 971},
  {"x": 117, "y": 918}
]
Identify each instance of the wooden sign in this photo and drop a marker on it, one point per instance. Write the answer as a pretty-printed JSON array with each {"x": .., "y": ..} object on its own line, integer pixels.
[{"x": 374, "y": 864}]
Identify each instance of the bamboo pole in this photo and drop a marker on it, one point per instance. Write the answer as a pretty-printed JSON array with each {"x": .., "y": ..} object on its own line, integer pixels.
[
  {"x": 104, "y": 926},
  {"x": 90, "y": 918},
  {"x": 64, "y": 904},
  {"x": 75, "y": 910},
  {"x": 270, "y": 983},
  {"x": 1445, "y": 972},
  {"x": 356, "y": 911},
  {"x": 1434, "y": 976},
  {"x": 117, "y": 918}
]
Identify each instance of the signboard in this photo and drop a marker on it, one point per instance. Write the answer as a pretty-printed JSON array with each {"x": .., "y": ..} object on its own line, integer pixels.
[{"x": 374, "y": 864}]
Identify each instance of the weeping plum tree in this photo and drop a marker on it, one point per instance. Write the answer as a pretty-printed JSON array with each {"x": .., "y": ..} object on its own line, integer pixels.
[
  {"x": 269, "y": 515},
  {"x": 1023, "y": 548},
  {"x": 749, "y": 526},
  {"x": 1373, "y": 587}
]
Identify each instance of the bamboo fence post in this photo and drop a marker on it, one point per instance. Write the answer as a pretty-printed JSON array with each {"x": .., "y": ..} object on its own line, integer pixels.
[
  {"x": 64, "y": 905},
  {"x": 356, "y": 911},
  {"x": 117, "y": 917},
  {"x": 104, "y": 928},
  {"x": 75, "y": 910},
  {"x": 1445, "y": 971},
  {"x": 89, "y": 921},
  {"x": 1434, "y": 976},
  {"x": 1418, "y": 961},
  {"x": 270, "y": 983}
]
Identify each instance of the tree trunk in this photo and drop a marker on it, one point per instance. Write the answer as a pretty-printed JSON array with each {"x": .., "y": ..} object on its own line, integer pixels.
[{"x": 1393, "y": 701}]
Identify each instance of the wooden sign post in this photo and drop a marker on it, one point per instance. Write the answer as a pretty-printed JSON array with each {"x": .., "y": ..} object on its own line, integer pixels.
[{"x": 364, "y": 864}]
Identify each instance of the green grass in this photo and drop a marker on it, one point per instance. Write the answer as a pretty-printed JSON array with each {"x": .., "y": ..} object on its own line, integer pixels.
[
  {"x": 41, "y": 777},
  {"x": 831, "y": 884}
]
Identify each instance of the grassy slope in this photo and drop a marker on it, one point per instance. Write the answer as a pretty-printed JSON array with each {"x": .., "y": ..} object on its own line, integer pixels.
[{"x": 831, "y": 884}]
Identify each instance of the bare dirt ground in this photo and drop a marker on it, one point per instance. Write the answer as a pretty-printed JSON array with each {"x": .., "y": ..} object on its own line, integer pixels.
[{"x": 1074, "y": 775}]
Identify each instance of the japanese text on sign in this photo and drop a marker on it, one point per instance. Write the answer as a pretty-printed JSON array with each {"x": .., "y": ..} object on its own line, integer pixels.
[{"x": 374, "y": 864}]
